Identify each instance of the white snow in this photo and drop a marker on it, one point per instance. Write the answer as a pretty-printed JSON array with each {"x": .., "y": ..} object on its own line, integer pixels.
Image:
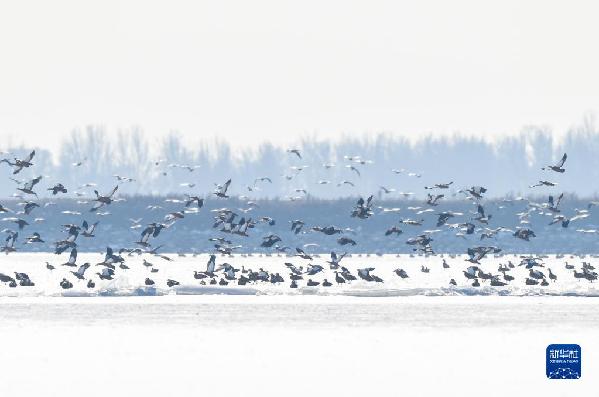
[
  {"x": 351, "y": 340},
  {"x": 293, "y": 345},
  {"x": 131, "y": 282}
]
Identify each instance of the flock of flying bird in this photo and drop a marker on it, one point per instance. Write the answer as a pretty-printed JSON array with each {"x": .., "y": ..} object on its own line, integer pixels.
[{"x": 229, "y": 222}]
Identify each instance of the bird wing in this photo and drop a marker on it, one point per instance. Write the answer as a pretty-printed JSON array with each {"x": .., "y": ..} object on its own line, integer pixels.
[
  {"x": 96, "y": 206},
  {"x": 12, "y": 236},
  {"x": 30, "y": 157},
  {"x": 155, "y": 250},
  {"x": 580, "y": 216},
  {"x": 35, "y": 181},
  {"x": 226, "y": 186},
  {"x": 72, "y": 237},
  {"x": 83, "y": 268},
  {"x": 113, "y": 191},
  {"x": 562, "y": 161}
]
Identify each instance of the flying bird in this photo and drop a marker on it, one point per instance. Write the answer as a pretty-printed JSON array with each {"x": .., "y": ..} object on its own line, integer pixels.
[
  {"x": 559, "y": 167},
  {"x": 18, "y": 164}
]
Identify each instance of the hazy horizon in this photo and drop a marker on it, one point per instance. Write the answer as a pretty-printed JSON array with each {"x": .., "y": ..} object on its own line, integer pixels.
[
  {"x": 586, "y": 124},
  {"x": 348, "y": 168}
]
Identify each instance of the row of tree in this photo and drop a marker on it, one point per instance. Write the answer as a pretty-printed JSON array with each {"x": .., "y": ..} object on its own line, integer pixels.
[{"x": 506, "y": 167}]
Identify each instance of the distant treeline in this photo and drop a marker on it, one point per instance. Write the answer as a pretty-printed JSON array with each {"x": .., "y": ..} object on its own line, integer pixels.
[{"x": 506, "y": 167}]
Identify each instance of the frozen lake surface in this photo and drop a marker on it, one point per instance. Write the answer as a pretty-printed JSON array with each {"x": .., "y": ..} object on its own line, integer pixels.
[{"x": 293, "y": 345}]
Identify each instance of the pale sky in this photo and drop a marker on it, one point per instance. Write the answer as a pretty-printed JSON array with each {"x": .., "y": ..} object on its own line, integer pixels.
[{"x": 277, "y": 70}]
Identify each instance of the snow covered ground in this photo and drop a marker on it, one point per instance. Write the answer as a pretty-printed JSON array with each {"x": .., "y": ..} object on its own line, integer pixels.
[
  {"x": 413, "y": 336},
  {"x": 181, "y": 269},
  {"x": 293, "y": 345}
]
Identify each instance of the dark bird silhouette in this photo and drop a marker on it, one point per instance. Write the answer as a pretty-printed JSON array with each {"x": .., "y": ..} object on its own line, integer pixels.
[
  {"x": 302, "y": 254},
  {"x": 103, "y": 200},
  {"x": 270, "y": 240},
  {"x": 58, "y": 188},
  {"x": 18, "y": 164},
  {"x": 296, "y": 226},
  {"x": 432, "y": 200},
  {"x": 363, "y": 209},
  {"x": 524, "y": 234},
  {"x": 296, "y": 152},
  {"x": 559, "y": 166},
  {"x": 27, "y": 188},
  {"x": 544, "y": 183},
  {"x": 439, "y": 186},
  {"x": 87, "y": 230},
  {"x": 194, "y": 199},
  {"x": 345, "y": 241},
  {"x": 66, "y": 284},
  {"x": 221, "y": 191},
  {"x": 481, "y": 217},
  {"x": 393, "y": 230},
  {"x": 335, "y": 259},
  {"x": 477, "y": 192},
  {"x": 80, "y": 273},
  {"x": 34, "y": 238},
  {"x": 553, "y": 205}
]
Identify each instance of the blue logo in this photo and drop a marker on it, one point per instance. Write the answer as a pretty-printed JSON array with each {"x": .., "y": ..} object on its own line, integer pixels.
[{"x": 563, "y": 362}]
